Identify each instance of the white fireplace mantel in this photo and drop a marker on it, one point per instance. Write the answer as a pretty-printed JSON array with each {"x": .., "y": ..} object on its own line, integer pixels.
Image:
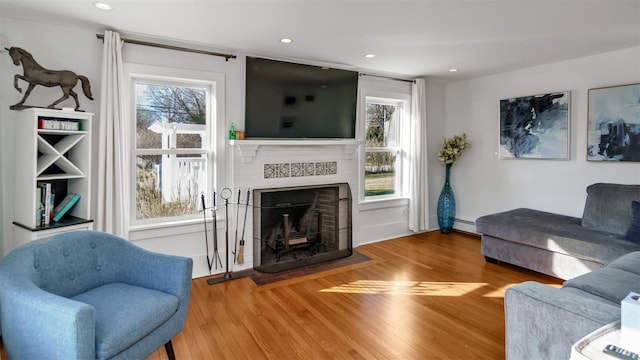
[{"x": 248, "y": 149}]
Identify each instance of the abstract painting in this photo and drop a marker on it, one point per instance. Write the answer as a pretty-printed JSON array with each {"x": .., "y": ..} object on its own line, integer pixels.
[
  {"x": 614, "y": 124},
  {"x": 535, "y": 127}
]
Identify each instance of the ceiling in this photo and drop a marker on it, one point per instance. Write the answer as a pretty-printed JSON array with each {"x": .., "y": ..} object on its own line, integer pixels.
[{"x": 409, "y": 38}]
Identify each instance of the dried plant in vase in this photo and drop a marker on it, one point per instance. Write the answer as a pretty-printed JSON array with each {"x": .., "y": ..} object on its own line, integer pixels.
[{"x": 448, "y": 155}]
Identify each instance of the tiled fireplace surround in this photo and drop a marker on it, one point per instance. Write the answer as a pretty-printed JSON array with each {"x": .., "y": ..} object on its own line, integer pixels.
[{"x": 266, "y": 164}]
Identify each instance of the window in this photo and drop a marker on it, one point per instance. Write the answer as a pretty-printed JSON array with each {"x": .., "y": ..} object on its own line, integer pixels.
[
  {"x": 173, "y": 152},
  {"x": 383, "y": 152}
]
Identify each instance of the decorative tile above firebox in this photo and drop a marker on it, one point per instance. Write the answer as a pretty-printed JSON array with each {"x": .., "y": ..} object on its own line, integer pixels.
[
  {"x": 302, "y": 169},
  {"x": 326, "y": 168},
  {"x": 273, "y": 171}
]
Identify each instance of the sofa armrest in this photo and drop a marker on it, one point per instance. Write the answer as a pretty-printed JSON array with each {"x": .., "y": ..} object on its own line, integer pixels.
[
  {"x": 38, "y": 325},
  {"x": 543, "y": 322}
]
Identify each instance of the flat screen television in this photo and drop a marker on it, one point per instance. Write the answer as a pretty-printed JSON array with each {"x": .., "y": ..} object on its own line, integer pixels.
[{"x": 296, "y": 101}]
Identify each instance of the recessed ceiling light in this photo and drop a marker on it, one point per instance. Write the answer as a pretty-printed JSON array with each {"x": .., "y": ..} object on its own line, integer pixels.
[
  {"x": 453, "y": 70},
  {"x": 102, "y": 6},
  {"x": 369, "y": 56},
  {"x": 286, "y": 41}
]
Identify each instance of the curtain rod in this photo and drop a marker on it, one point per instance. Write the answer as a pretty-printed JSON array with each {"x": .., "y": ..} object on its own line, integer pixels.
[
  {"x": 171, "y": 47},
  {"x": 387, "y": 77}
]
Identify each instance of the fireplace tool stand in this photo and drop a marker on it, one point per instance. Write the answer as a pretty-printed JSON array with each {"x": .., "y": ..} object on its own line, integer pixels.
[{"x": 225, "y": 194}]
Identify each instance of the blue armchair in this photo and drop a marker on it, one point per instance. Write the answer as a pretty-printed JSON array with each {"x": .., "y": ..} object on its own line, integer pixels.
[{"x": 91, "y": 295}]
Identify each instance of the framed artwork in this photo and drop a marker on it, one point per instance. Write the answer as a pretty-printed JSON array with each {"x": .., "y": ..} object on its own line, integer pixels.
[
  {"x": 614, "y": 123},
  {"x": 535, "y": 127}
]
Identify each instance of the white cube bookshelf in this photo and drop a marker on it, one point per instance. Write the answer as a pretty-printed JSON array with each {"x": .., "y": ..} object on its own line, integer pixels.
[{"x": 59, "y": 157}]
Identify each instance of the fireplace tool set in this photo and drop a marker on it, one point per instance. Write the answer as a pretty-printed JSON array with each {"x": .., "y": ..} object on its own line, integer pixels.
[{"x": 238, "y": 255}]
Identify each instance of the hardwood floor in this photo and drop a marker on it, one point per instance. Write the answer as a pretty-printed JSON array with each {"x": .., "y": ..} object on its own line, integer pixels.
[{"x": 424, "y": 296}]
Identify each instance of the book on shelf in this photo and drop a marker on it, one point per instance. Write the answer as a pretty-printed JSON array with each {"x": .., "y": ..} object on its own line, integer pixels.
[
  {"x": 65, "y": 205},
  {"x": 52, "y": 197},
  {"x": 46, "y": 199},
  {"x": 48, "y": 123},
  {"x": 39, "y": 206}
]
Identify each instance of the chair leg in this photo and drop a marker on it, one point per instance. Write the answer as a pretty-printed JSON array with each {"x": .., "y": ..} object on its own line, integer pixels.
[{"x": 169, "y": 347}]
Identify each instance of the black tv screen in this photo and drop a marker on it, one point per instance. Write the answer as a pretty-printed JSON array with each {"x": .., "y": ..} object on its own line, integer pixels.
[{"x": 287, "y": 100}]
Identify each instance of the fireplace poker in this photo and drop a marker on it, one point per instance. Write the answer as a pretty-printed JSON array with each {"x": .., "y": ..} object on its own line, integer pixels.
[
  {"x": 216, "y": 255},
  {"x": 206, "y": 241},
  {"x": 226, "y": 194},
  {"x": 244, "y": 225},
  {"x": 235, "y": 246}
]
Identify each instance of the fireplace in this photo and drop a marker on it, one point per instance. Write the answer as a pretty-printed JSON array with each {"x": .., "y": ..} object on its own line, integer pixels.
[{"x": 299, "y": 226}]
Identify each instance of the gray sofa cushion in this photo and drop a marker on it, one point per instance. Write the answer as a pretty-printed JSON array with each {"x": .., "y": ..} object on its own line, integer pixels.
[
  {"x": 608, "y": 207},
  {"x": 542, "y": 322},
  {"x": 629, "y": 262},
  {"x": 609, "y": 283},
  {"x": 556, "y": 233},
  {"x": 585, "y": 295}
]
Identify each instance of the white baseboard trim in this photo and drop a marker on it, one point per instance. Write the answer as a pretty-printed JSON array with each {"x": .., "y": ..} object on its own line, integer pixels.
[{"x": 465, "y": 225}]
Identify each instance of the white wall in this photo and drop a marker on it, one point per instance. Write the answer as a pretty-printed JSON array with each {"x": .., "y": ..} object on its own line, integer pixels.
[
  {"x": 61, "y": 47},
  {"x": 484, "y": 184},
  {"x": 57, "y": 46}
]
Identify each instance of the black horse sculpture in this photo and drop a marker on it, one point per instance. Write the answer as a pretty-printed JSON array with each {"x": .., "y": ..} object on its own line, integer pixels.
[{"x": 35, "y": 74}]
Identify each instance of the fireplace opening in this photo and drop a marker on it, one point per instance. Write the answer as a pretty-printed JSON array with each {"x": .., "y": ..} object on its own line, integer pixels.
[{"x": 299, "y": 226}]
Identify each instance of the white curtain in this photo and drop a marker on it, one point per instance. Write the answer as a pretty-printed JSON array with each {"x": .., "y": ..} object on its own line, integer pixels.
[
  {"x": 112, "y": 195},
  {"x": 419, "y": 195}
]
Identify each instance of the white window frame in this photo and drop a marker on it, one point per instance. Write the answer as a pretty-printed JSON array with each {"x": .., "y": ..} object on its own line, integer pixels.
[
  {"x": 214, "y": 84},
  {"x": 403, "y": 117}
]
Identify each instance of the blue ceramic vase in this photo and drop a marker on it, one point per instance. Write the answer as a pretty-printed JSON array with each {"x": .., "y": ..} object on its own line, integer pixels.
[{"x": 446, "y": 204}]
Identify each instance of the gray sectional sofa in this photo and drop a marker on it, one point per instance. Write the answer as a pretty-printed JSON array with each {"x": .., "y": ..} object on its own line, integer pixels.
[
  {"x": 599, "y": 253},
  {"x": 543, "y": 322},
  {"x": 559, "y": 245}
]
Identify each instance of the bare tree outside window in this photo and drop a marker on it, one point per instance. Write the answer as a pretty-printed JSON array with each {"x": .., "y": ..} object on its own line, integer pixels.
[
  {"x": 171, "y": 155},
  {"x": 380, "y": 149}
]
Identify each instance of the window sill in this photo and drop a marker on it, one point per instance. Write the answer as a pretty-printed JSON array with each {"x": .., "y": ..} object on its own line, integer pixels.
[
  {"x": 383, "y": 203},
  {"x": 169, "y": 228}
]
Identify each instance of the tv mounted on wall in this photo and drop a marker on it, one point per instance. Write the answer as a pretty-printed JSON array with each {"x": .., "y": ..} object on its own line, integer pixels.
[{"x": 297, "y": 101}]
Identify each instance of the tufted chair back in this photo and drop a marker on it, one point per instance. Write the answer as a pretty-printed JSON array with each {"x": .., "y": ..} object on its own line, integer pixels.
[{"x": 70, "y": 265}]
